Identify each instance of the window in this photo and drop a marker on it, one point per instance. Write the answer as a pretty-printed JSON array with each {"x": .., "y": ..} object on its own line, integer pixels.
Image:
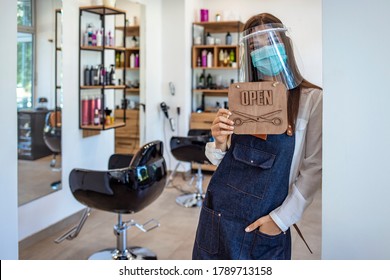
[{"x": 25, "y": 54}]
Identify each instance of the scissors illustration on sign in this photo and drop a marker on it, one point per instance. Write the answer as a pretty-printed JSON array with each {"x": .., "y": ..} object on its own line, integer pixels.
[{"x": 245, "y": 118}]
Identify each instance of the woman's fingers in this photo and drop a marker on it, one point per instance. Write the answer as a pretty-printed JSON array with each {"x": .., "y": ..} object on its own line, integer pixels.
[
  {"x": 265, "y": 225},
  {"x": 258, "y": 223}
]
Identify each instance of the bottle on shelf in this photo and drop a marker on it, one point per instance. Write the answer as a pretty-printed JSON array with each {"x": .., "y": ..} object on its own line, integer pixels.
[
  {"x": 101, "y": 75},
  {"x": 85, "y": 111},
  {"x": 134, "y": 42},
  {"x": 132, "y": 60},
  {"x": 99, "y": 38},
  {"x": 201, "y": 83},
  {"x": 225, "y": 58},
  {"x": 137, "y": 60},
  {"x": 209, "y": 39},
  {"x": 98, "y": 106},
  {"x": 228, "y": 38},
  {"x": 96, "y": 76},
  {"x": 204, "y": 58},
  {"x": 198, "y": 62},
  {"x": 209, "y": 59},
  {"x": 85, "y": 38},
  {"x": 232, "y": 57},
  {"x": 221, "y": 57},
  {"x": 112, "y": 40},
  {"x": 92, "y": 107},
  {"x": 118, "y": 60},
  {"x": 106, "y": 77},
  {"x": 200, "y": 109},
  {"x": 87, "y": 76},
  {"x": 122, "y": 60},
  {"x": 94, "y": 39},
  {"x": 91, "y": 76},
  {"x": 112, "y": 75},
  {"x": 90, "y": 32},
  {"x": 209, "y": 81},
  {"x": 96, "y": 119}
]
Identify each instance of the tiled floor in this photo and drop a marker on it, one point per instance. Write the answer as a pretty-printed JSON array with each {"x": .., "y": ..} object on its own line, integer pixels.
[{"x": 172, "y": 240}]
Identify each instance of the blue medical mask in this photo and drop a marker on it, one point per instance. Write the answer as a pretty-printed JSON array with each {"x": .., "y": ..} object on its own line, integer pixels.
[{"x": 269, "y": 60}]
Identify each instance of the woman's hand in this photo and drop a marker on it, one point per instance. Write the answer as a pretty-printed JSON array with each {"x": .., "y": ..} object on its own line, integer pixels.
[
  {"x": 221, "y": 128},
  {"x": 266, "y": 225}
]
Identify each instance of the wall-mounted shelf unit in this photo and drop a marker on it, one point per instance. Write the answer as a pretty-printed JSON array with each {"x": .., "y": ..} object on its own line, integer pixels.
[
  {"x": 127, "y": 137},
  {"x": 213, "y": 79},
  {"x": 98, "y": 83}
]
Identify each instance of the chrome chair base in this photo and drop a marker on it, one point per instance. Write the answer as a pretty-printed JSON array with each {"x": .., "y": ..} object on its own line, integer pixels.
[
  {"x": 132, "y": 253},
  {"x": 190, "y": 200}
]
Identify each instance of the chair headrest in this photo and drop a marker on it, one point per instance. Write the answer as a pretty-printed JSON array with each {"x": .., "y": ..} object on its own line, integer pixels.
[
  {"x": 148, "y": 152},
  {"x": 53, "y": 119}
]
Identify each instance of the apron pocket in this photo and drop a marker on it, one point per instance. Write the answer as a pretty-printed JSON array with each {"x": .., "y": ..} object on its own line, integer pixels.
[
  {"x": 268, "y": 247},
  {"x": 207, "y": 235},
  {"x": 250, "y": 169}
]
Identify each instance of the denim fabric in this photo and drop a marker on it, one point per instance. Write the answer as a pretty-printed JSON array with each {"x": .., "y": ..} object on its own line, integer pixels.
[{"x": 250, "y": 182}]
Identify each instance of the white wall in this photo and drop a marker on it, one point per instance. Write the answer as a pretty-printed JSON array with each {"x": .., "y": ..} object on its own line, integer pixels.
[
  {"x": 8, "y": 150},
  {"x": 356, "y": 186}
]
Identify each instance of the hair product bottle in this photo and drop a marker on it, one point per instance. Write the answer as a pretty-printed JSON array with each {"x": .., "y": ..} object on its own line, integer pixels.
[
  {"x": 92, "y": 106},
  {"x": 112, "y": 75},
  {"x": 204, "y": 58},
  {"x": 87, "y": 76},
  {"x": 136, "y": 64},
  {"x": 209, "y": 59},
  {"x": 99, "y": 38},
  {"x": 132, "y": 60},
  {"x": 228, "y": 38},
  {"x": 85, "y": 111}
]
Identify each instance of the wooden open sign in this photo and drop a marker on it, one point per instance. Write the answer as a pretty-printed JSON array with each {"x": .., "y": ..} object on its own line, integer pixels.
[{"x": 258, "y": 108}]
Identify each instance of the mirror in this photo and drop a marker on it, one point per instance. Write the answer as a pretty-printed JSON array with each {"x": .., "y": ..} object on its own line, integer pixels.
[{"x": 39, "y": 98}]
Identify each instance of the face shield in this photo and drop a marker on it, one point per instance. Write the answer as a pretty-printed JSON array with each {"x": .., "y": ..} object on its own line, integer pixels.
[{"x": 267, "y": 55}]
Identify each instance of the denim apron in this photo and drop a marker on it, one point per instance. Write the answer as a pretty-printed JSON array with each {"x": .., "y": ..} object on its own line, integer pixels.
[{"x": 250, "y": 182}]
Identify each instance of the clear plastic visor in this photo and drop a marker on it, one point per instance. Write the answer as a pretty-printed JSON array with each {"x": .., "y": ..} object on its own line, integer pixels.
[{"x": 266, "y": 54}]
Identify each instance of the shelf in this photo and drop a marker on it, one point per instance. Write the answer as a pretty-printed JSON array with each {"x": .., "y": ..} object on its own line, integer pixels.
[
  {"x": 225, "y": 57},
  {"x": 216, "y": 68},
  {"x": 100, "y": 126},
  {"x": 101, "y": 48},
  {"x": 132, "y": 90},
  {"x": 221, "y": 26},
  {"x": 102, "y": 10},
  {"x": 215, "y": 50},
  {"x": 215, "y": 46},
  {"x": 132, "y": 49},
  {"x": 213, "y": 92},
  {"x": 130, "y": 30},
  {"x": 103, "y": 87}
]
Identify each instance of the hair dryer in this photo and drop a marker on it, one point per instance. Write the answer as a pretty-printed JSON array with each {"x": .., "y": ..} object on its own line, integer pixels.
[{"x": 164, "y": 107}]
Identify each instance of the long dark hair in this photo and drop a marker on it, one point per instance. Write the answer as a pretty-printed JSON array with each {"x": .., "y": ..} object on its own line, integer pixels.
[{"x": 295, "y": 93}]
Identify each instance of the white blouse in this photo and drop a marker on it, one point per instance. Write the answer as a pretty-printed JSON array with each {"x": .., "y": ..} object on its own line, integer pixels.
[{"x": 306, "y": 167}]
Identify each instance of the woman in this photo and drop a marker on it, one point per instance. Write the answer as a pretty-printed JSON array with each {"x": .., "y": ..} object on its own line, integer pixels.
[{"x": 263, "y": 183}]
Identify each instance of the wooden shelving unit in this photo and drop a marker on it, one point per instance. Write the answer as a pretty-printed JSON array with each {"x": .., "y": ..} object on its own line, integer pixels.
[{"x": 106, "y": 90}]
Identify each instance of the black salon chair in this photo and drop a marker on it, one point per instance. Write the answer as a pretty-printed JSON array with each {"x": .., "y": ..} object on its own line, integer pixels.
[
  {"x": 191, "y": 149},
  {"x": 52, "y": 139},
  {"x": 131, "y": 184}
]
